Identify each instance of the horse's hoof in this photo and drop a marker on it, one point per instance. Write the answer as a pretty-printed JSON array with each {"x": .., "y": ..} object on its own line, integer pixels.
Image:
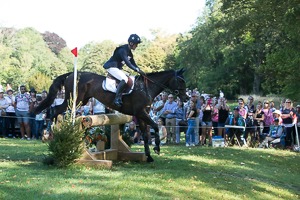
[
  {"x": 156, "y": 150},
  {"x": 150, "y": 159}
]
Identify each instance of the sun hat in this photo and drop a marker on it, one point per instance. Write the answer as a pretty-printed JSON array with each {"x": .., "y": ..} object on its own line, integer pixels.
[{"x": 277, "y": 112}]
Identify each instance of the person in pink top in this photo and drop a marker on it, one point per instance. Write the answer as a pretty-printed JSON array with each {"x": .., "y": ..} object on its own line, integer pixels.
[
  {"x": 243, "y": 110},
  {"x": 268, "y": 116}
]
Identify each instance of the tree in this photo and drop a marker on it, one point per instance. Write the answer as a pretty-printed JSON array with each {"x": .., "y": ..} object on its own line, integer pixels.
[{"x": 54, "y": 42}]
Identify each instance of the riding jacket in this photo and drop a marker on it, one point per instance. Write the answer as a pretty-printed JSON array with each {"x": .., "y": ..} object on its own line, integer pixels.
[{"x": 122, "y": 55}]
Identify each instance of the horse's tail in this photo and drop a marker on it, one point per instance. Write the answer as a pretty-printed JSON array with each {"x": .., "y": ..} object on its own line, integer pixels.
[{"x": 54, "y": 88}]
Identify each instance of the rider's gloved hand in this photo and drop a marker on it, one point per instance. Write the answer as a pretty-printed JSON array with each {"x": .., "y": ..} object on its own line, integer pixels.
[{"x": 138, "y": 70}]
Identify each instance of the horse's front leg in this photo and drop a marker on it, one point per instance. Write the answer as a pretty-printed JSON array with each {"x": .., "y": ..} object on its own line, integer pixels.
[{"x": 144, "y": 131}]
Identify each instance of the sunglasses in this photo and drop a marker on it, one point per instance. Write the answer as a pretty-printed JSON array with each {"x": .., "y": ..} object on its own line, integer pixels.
[
  {"x": 288, "y": 102},
  {"x": 266, "y": 103}
]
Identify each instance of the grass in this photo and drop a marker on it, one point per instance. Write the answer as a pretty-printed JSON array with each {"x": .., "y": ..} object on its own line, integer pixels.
[{"x": 178, "y": 173}]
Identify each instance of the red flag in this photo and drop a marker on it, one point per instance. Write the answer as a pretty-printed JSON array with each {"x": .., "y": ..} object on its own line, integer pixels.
[{"x": 74, "y": 51}]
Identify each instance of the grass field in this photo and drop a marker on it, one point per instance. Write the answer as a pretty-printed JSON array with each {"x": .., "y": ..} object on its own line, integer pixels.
[{"x": 178, "y": 173}]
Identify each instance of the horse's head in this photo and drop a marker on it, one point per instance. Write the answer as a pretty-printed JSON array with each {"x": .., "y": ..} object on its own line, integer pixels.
[{"x": 177, "y": 84}]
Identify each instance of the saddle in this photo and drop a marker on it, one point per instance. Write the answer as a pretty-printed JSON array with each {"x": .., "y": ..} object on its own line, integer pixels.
[{"x": 111, "y": 84}]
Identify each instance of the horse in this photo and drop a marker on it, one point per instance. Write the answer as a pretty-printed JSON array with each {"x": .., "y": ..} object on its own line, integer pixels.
[{"x": 146, "y": 88}]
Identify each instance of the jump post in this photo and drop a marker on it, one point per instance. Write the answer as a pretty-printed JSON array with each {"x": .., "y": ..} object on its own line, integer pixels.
[{"x": 119, "y": 150}]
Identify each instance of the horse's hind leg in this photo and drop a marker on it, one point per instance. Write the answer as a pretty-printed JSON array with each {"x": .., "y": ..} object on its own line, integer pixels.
[
  {"x": 143, "y": 128},
  {"x": 147, "y": 120}
]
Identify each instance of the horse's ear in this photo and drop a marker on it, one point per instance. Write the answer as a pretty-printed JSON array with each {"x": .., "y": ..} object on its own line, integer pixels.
[{"x": 181, "y": 71}]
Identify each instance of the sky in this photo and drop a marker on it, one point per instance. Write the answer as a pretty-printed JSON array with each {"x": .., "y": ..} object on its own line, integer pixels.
[{"x": 80, "y": 22}]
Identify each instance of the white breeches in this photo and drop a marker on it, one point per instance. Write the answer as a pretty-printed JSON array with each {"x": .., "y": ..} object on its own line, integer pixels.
[{"x": 118, "y": 74}]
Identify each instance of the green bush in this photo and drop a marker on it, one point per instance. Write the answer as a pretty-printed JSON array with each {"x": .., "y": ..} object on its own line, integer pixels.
[{"x": 67, "y": 145}]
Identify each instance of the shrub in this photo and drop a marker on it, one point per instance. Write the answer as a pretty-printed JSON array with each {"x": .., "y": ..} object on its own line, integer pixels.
[{"x": 67, "y": 145}]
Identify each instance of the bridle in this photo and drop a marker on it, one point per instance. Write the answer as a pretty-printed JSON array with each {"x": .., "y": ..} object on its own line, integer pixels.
[{"x": 170, "y": 91}]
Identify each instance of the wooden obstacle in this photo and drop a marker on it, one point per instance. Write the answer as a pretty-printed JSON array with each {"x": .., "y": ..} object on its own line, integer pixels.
[{"x": 119, "y": 150}]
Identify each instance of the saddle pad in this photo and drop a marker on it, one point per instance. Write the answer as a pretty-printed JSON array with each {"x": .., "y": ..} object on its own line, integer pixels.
[{"x": 110, "y": 85}]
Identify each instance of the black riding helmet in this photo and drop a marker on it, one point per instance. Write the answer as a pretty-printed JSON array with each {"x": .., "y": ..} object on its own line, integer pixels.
[{"x": 134, "y": 38}]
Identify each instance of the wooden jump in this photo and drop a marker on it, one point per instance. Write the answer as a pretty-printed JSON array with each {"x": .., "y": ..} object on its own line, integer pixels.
[{"x": 119, "y": 150}]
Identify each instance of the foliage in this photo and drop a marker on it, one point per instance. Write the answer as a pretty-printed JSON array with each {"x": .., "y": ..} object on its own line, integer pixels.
[
  {"x": 39, "y": 81},
  {"x": 244, "y": 47},
  {"x": 240, "y": 47},
  {"x": 94, "y": 55},
  {"x": 67, "y": 144},
  {"x": 177, "y": 173},
  {"x": 93, "y": 135},
  {"x": 24, "y": 53},
  {"x": 54, "y": 42}
]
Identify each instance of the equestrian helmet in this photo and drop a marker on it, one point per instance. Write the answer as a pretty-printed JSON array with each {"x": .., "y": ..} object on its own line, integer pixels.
[{"x": 134, "y": 38}]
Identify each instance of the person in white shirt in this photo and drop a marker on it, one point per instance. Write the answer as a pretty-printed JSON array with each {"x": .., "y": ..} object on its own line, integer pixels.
[
  {"x": 3, "y": 106},
  {"x": 23, "y": 103},
  {"x": 10, "y": 114}
]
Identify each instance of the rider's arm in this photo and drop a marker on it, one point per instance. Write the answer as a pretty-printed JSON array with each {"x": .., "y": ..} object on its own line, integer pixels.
[{"x": 129, "y": 63}]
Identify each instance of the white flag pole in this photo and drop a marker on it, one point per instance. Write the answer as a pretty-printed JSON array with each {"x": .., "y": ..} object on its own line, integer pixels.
[{"x": 74, "y": 86}]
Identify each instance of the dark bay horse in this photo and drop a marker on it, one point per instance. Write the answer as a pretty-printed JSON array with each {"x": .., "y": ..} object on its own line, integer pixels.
[{"x": 146, "y": 88}]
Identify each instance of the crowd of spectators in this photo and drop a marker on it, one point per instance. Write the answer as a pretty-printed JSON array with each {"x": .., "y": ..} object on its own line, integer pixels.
[
  {"x": 193, "y": 123},
  {"x": 204, "y": 117}
]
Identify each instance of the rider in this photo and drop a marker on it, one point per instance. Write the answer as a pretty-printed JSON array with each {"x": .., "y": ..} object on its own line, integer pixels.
[{"x": 123, "y": 55}]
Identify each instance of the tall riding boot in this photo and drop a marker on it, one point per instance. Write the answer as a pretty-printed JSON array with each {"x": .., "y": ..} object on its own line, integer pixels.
[{"x": 118, "y": 99}]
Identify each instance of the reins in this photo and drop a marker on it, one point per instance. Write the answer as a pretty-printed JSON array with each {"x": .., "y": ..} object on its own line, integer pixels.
[{"x": 146, "y": 79}]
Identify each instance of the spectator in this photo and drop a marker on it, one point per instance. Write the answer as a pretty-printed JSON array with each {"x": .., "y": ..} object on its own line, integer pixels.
[
  {"x": 169, "y": 113},
  {"x": 250, "y": 126},
  {"x": 235, "y": 120},
  {"x": 97, "y": 107},
  {"x": 268, "y": 117},
  {"x": 206, "y": 122},
  {"x": 87, "y": 108},
  {"x": 243, "y": 111},
  {"x": 133, "y": 133},
  {"x": 272, "y": 106},
  {"x": 223, "y": 114},
  {"x": 179, "y": 112},
  {"x": 44, "y": 94},
  {"x": 32, "y": 93},
  {"x": 259, "y": 120},
  {"x": 23, "y": 103},
  {"x": 215, "y": 116},
  {"x": 191, "y": 116},
  {"x": 60, "y": 97},
  {"x": 298, "y": 119},
  {"x": 277, "y": 114},
  {"x": 158, "y": 107},
  {"x": 195, "y": 97},
  {"x": 289, "y": 119},
  {"x": 250, "y": 105},
  {"x": 275, "y": 132},
  {"x": 162, "y": 131},
  {"x": 10, "y": 114},
  {"x": 3, "y": 106},
  {"x": 39, "y": 120}
]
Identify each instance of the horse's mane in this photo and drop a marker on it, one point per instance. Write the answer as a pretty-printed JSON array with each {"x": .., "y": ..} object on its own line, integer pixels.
[{"x": 160, "y": 72}]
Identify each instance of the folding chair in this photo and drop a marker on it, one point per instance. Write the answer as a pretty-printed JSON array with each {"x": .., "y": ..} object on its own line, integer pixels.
[{"x": 235, "y": 130}]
